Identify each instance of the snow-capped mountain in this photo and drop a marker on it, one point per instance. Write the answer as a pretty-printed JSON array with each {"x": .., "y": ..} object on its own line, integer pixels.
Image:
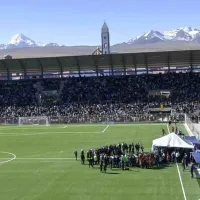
[
  {"x": 187, "y": 34},
  {"x": 149, "y": 37},
  {"x": 22, "y": 41}
]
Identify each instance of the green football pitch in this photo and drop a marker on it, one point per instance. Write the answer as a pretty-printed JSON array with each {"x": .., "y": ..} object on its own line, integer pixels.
[{"x": 37, "y": 163}]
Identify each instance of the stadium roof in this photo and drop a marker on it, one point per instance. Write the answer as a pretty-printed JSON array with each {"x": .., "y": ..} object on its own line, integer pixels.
[
  {"x": 88, "y": 50},
  {"x": 100, "y": 62}
]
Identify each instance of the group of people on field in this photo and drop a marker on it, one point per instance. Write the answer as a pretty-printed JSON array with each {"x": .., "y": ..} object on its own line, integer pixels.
[
  {"x": 126, "y": 156},
  {"x": 121, "y": 156}
]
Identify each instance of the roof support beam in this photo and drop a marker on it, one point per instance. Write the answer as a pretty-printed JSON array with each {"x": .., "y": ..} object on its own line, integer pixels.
[
  {"x": 22, "y": 64},
  {"x": 146, "y": 62},
  {"x": 191, "y": 60},
  {"x": 124, "y": 64},
  {"x": 7, "y": 69},
  {"x": 78, "y": 65},
  {"x": 60, "y": 65},
  {"x": 135, "y": 63},
  {"x": 95, "y": 64},
  {"x": 41, "y": 67},
  {"x": 111, "y": 64},
  {"x": 168, "y": 61},
  {"x": 98, "y": 60}
]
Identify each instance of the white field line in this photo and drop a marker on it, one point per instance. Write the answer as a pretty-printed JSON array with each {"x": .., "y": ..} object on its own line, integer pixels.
[
  {"x": 17, "y": 134},
  {"x": 27, "y": 127},
  {"x": 168, "y": 128},
  {"x": 181, "y": 182},
  {"x": 9, "y": 159},
  {"x": 179, "y": 174},
  {"x": 105, "y": 129},
  {"x": 139, "y": 124},
  {"x": 190, "y": 133},
  {"x": 133, "y": 124},
  {"x": 43, "y": 133},
  {"x": 45, "y": 158}
]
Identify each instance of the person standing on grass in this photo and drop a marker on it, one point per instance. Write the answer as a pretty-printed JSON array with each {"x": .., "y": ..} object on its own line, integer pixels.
[
  {"x": 82, "y": 157},
  {"x": 173, "y": 156},
  {"x": 129, "y": 148},
  {"x": 184, "y": 161},
  {"x": 76, "y": 154},
  {"x": 138, "y": 147},
  {"x": 101, "y": 163},
  {"x": 142, "y": 148},
  {"x": 163, "y": 132},
  {"x": 91, "y": 160},
  {"x": 168, "y": 159},
  {"x": 176, "y": 130},
  {"x": 177, "y": 156},
  {"x": 105, "y": 163},
  {"x": 192, "y": 170}
]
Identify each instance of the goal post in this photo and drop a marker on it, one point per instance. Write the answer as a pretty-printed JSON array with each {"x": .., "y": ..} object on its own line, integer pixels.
[
  {"x": 191, "y": 127},
  {"x": 38, "y": 120}
]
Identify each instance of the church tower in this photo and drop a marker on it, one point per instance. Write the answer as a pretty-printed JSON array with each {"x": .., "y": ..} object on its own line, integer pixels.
[{"x": 105, "y": 39}]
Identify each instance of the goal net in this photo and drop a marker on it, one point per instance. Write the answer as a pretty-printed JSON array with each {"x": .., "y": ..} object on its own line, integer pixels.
[
  {"x": 191, "y": 127},
  {"x": 40, "y": 120}
]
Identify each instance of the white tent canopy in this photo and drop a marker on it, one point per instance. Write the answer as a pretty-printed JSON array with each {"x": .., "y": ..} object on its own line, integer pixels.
[{"x": 171, "y": 140}]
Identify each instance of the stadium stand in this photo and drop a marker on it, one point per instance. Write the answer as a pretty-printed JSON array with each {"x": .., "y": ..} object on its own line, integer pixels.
[
  {"x": 98, "y": 99},
  {"x": 101, "y": 88}
]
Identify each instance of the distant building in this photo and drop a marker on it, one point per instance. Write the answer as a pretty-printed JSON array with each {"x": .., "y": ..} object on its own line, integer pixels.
[
  {"x": 105, "y": 41},
  {"x": 97, "y": 51},
  {"x": 7, "y": 57}
]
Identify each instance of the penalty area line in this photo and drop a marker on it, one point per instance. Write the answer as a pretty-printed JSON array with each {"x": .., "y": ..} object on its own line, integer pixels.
[
  {"x": 105, "y": 128},
  {"x": 43, "y": 133},
  {"x": 168, "y": 128},
  {"x": 181, "y": 182},
  {"x": 179, "y": 174},
  {"x": 45, "y": 158}
]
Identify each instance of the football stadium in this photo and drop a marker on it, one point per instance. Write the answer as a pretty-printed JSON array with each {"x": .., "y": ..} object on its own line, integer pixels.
[
  {"x": 106, "y": 126},
  {"x": 106, "y": 110}
]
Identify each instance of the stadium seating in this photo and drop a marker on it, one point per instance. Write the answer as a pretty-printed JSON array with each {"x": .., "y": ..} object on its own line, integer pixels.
[{"x": 98, "y": 98}]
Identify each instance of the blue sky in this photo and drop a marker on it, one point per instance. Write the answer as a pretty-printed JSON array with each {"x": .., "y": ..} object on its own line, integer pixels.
[{"x": 73, "y": 22}]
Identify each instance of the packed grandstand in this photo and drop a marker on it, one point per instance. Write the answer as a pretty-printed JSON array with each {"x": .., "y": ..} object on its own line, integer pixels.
[
  {"x": 101, "y": 88},
  {"x": 97, "y": 99}
]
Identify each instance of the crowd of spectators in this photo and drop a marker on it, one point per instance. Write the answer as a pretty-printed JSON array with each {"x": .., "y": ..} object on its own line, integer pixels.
[{"x": 105, "y": 98}]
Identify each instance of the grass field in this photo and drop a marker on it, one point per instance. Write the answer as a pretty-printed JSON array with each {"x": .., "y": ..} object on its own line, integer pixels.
[{"x": 40, "y": 165}]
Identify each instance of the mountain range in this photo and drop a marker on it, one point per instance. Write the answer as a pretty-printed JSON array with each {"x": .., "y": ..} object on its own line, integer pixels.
[
  {"x": 187, "y": 38},
  {"x": 22, "y": 41},
  {"x": 186, "y": 34}
]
